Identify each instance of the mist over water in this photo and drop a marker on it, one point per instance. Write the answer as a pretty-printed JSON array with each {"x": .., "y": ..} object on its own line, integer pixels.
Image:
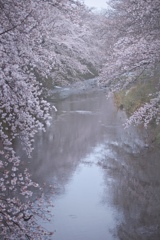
[{"x": 106, "y": 183}]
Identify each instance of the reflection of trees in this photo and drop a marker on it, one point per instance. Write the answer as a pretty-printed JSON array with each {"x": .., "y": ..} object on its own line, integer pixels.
[
  {"x": 72, "y": 135},
  {"x": 136, "y": 192},
  {"x": 69, "y": 138}
]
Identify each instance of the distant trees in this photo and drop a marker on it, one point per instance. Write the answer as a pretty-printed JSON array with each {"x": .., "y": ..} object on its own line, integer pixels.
[
  {"x": 50, "y": 38},
  {"x": 134, "y": 48}
]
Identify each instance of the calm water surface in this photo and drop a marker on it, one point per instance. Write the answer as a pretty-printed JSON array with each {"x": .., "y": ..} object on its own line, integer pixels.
[{"x": 106, "y": 183}]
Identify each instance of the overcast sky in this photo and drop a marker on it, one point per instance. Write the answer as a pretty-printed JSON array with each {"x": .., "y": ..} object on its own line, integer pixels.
[{"x": 99, "y": 4}]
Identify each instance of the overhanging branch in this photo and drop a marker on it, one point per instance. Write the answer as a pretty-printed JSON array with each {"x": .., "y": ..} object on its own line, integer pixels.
[{"x": 13, "y": 27}]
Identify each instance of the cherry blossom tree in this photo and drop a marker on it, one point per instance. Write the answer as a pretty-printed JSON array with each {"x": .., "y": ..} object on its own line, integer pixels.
[
  {"x": 76, "y": 47},
  {"x": 47, "y": 37},
  {"x": 134, "y": 49},
  {"x": 22, "y": 113}
]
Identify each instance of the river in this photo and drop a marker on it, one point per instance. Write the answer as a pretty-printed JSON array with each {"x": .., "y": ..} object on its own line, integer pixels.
[{"x": 106, "y": 182}]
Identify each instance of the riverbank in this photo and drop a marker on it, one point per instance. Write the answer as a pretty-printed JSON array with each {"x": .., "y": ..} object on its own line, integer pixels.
[
  {"x": 136, "y": 96},
  {"x": 127, "y": 101},
  {"x": 77, "y": 88}
]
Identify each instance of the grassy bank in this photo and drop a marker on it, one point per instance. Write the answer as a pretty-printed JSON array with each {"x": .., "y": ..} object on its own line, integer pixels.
[{"x": 136, "y": 96}]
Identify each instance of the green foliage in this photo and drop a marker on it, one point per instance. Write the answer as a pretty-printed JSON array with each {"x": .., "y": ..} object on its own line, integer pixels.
[
  {"x": 130, "y": 100},
  {"x": 133, "y": 98}
]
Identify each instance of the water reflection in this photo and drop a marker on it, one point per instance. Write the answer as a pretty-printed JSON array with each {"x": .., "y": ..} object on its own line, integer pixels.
[
  {"x": 106, "y": 183},
  {"x": 136, "y": 191},
  {"x": 80, "y": 214}
]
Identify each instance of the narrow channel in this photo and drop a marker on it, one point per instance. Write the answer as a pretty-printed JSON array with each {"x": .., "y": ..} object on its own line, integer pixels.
[{"x": 102, "y": 174}]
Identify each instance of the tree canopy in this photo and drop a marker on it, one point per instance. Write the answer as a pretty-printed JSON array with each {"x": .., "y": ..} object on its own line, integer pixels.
[
  {"x": 63, "y": 40},
  {"x": 50, "y": 38},
  {"x": 133, "y": 48}
]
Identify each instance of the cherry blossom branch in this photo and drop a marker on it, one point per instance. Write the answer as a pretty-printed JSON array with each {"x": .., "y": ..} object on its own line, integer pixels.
[{"x": 14, "y": 27}]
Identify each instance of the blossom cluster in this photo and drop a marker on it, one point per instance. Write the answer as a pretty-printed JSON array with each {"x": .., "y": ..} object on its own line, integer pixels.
[
  {"x": 51, "y": 38},
  {"x": 133, "y": 28}
]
